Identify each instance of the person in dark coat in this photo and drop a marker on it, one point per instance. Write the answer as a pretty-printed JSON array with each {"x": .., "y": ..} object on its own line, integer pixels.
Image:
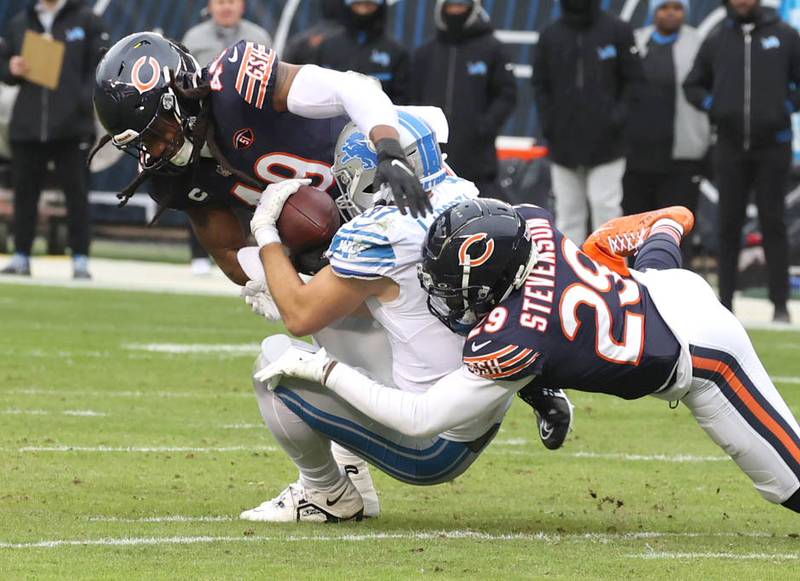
[
  {"x": 668, "y": 138},
  {"x": 466, "y": 71},
  {"x": 302, "y": 47},
  {"x": 586, "y": 71},
  {"x": 746, "y": 76},
  {"x": 55, "y": 125},
  {"x": 365, "y": 47}
]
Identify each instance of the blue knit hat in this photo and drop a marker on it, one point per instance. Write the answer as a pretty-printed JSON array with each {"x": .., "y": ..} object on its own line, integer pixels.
[{"x": 656, "y": 4}]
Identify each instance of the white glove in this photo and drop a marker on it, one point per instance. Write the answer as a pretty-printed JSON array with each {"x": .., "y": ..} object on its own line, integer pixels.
[
  {"x": 256, "y": 294},
  {"x": 270, "y": 206},
  {"x": 297, "y": 363}
]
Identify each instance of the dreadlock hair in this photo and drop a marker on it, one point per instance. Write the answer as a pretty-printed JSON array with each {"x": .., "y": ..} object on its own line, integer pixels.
[{"x": 201, "y": 132}]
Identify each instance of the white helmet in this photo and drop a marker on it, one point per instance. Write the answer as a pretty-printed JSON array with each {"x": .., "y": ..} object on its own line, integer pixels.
[{"x": 355, "y": 162}]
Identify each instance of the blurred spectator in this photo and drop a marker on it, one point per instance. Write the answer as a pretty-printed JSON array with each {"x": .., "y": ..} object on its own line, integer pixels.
[
  {"x": 668, "y": 138},
  {"x": 363, "y": 46},
  {"x": 302, "y": 48},
  {"x": 52, "y": 125},
  {"x": 206, "y": 41},
  {"x": 746, "y": 76},
  {"x": 226, "y": 26},
  {"x": 585, "y": 72},
  {"x": 465, "y": 70}
]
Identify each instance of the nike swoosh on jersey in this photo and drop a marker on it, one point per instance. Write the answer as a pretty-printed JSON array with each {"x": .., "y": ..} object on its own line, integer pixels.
[
  {"x": 235, "y": 56},
  {"x": 477, "y": 347},
  {"x": 330, "y": 502}
]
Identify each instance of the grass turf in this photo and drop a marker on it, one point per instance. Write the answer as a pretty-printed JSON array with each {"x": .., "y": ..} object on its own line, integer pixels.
[{"x": 127, "y": 451}]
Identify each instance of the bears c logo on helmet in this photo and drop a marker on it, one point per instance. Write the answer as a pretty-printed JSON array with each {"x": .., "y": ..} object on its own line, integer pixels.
[
  {"x": 136, "y": 79},
  {"x": 464, "y": 257}
]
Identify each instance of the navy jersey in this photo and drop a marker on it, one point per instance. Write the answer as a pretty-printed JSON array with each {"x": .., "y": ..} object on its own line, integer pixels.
[
  {"x": 575, "y": 324},
  {"x": 266, "y": 144}
]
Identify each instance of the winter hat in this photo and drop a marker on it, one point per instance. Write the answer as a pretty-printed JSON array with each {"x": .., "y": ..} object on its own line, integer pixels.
[{"x": 656, "y": 4}]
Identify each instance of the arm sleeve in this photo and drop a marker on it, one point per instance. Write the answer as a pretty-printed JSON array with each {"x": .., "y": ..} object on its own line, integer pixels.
[
  {"x": 698, "y": 83},
  {"x": 455, "y": 399},
  {"x": 502, "y": 91},
  {"x": 318, "y": 93}
]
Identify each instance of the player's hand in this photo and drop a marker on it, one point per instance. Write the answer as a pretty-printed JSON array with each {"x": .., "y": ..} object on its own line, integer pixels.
[
  {"x": 297, "y": 363},
  {"x": 270, "y": 206},
  {"x": 396, "y": 174},
  {"x": 257, "y": 296},
  {"x": 17, "y": 66}
]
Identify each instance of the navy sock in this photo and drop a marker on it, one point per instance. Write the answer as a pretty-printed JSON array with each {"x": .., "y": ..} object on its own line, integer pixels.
[{"x": 660, "y": 252}]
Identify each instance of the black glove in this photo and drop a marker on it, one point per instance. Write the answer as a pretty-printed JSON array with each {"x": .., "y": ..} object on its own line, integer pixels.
[{"x": 396, "y": 172}]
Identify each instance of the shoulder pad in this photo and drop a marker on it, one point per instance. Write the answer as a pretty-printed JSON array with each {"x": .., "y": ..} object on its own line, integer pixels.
[
  {"x": 365, "y": 246},
  {"x": 254, "y": 68},
  {"x": 500, "y": 360}
]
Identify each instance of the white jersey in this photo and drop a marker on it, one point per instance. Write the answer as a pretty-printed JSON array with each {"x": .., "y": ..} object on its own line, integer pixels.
[{"x": 384, "y": 243}]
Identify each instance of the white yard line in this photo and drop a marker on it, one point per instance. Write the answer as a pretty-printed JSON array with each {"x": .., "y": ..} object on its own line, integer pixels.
[
  {"x": 141, "y": 449},
  {"x": 726, "y": 556},
  {"x": 417, "y": 536},
  {"x": 679, "y": 458},
  {"x": 243, "y": 426},
  {"x": 190, "y": 348},
  {"x": 160, "y": 519},
  {"x": 75, "y": 413},
  {"x": 35, "y": 391},
  {"x": 786, "y": 379}
]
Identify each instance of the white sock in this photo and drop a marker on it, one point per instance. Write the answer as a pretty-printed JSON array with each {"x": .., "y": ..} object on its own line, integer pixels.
[{"x": 667, "y": 226}]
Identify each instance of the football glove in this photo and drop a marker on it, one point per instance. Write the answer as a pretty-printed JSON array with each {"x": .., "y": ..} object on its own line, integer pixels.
[
  {"x": 395, "y": 179},
  {"x": 270, "y": 205},
  {"x": 257, "y": 296},
  {"x": 297, "y": 363}
]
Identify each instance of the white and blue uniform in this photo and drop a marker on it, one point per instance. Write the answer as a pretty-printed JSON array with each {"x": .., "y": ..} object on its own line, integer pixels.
[{"x": 382, "y": 243}]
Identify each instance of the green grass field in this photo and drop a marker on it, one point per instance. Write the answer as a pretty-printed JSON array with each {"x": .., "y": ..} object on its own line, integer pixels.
[{"x": 127, "y": 450}]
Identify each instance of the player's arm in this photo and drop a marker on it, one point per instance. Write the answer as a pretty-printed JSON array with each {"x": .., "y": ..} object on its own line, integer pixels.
[
  {"x": 317, "y": 93},
  {"x": 304, "y": 308},
  {"x": 309, "y": 307},
  {"x": 456, "y": 399},
  {"x": 220, "y": 233}
]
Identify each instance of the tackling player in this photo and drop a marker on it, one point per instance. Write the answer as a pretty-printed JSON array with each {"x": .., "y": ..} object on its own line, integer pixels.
[
  {"x": 213, "y": 139},
  {"x": 373, "y": 261},
  {"x": 544, "y": 311}
]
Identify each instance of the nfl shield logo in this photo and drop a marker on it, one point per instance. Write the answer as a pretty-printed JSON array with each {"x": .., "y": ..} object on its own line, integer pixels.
[{"x": 244, "y": 139}]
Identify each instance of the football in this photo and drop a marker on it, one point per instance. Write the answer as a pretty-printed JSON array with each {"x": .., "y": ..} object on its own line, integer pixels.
[{"x": 309, "y": 220}]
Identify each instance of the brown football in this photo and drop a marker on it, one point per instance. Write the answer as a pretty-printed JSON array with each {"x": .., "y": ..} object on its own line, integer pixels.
[{"x": 309, "y": 220}]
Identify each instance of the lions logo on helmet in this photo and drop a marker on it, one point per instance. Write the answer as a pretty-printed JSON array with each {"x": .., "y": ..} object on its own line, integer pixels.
[
  {"x": 356, "y": 161},
  {"x": 358, "y": 146}
]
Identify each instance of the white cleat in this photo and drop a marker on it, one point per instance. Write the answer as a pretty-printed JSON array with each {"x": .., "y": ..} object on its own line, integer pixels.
[
  {"x": 358, "y": 471},
  {"x": 362, "y": 480},
  {"x": 299, "y": 504}
]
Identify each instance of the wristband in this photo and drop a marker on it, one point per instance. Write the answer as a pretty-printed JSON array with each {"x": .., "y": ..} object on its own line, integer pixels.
[{"x": 267, "y": 235}]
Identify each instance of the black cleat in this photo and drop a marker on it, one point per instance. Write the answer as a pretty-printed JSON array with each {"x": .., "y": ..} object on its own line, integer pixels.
[{"x": 553, "y": 414}]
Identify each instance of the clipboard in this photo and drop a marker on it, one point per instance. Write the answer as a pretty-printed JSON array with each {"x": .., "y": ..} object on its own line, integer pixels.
[{"x": 44, "y": 57}]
